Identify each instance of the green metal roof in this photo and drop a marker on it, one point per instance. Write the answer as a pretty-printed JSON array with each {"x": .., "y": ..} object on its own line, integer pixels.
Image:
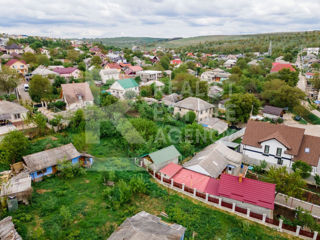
[
  {"x": 128, "y": 83},
  {"x": 164, "y": 154}
]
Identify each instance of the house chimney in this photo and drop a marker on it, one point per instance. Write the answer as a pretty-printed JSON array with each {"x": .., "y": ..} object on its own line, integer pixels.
[{"x": 240, "y": 178}]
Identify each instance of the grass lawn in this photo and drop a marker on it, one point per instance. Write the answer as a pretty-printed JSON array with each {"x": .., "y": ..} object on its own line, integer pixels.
[{"x": 76, "y": 208}]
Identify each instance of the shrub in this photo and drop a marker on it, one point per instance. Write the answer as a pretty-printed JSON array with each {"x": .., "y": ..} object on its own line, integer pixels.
[
  {"x": 69, "y": 170},
  {"x": 302, "y": 168}
]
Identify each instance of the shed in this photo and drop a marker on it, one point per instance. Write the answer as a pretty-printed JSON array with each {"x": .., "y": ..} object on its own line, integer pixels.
[
  {"x": 161, "y": 158},
  {"x": 272, "y": 112},
  {"x": 7, "y": 230}
]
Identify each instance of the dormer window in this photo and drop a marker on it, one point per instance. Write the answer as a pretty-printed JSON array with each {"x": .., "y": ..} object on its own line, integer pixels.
[
  {"x": 79, "y": 97},
  {"x": 307, "y": 150}
]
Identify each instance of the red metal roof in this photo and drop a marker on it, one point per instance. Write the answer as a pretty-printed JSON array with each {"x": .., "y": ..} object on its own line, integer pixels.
[
  {"x": 249, "y": 191},
  {"x": 13, "y": 61},
  {"x": 176, "y": 61},
  {"x": 171, "y": 169},
  {"x": 192, "y": 179},
  {"x": 212, "y": 186},
  {"x": 276, "y": 67},
  {"x": 67, "y": 70}
]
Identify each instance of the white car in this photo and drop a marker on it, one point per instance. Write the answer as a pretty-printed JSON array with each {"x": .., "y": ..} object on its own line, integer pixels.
[{"x": 26, "y": 87}]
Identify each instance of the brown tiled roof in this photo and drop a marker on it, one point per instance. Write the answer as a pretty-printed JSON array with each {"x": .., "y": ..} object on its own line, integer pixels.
[
  {"x": 272, "y": 110},
  {"x": 256, "y": 132},
  {"x": 72, "y": 91},
  {"x": 309, "y": 150}
]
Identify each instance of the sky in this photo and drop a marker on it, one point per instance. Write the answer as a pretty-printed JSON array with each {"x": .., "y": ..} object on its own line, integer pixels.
[{"x": 156, "y": 18}]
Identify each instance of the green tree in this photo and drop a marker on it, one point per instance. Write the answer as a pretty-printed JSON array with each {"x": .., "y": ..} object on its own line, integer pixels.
[
  {"x": 158, "y": 95},
  {"x": 29, "y": 57},
  {"x": 73, "y": 55},
  {"x": 96, "y": 61},
  {"x": 41, "y": 123},
  {"x": 107, "y": 99},
  {"x": 165, "y": 62},
  {"x": 240, "y": 106},
  {"x": 42, "y": 60},
  {"x": 14, "y": 145},
  {"x": 290, "y": 184},
  {"x": 302, "y": 168},
  {"x": 315, "y": 81},
  {"x": 317, "y": 180},
  {"x": 77, "y": 122},
  {"x": 280, "y": 94},
  {"x": 39, "y": 88},
  {"x": 145, "y": 91},
  {"x": 130, "y": 94},
  {"x": 9, "y": 79},
  {"x": 146, "y": 128},
  {"x": 189, "y": 117}
]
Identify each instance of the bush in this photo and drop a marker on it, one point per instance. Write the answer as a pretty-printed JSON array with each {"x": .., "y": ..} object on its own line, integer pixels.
[
  {"x": 302, "y": 168},
  {"x": 189, "y": 117},
  {"x": 69, "y": 170}
]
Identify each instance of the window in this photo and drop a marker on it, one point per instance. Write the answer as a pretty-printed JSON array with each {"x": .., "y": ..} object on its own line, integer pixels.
[
  {"x": 280, "y": 161},
  {"x": 279, "y": 152},
  {"x": 17, "y": 116},
  {"x": 266, "y": 149}
]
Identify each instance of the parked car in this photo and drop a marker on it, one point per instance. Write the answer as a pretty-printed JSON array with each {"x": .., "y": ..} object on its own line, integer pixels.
[{"x": 26, "y": 87}]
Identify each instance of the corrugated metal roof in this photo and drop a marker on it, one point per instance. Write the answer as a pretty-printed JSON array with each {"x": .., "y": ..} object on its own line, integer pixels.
[
  {"x": 164, "y": 154},
  {"x": 128, "y": 83}
]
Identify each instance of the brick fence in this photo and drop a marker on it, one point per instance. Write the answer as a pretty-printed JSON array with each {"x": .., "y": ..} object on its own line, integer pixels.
[{"x": 232, "y": 207}]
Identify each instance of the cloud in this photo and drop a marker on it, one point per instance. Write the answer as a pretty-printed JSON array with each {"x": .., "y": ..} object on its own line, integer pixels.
[{"x": 156, "y": 18}]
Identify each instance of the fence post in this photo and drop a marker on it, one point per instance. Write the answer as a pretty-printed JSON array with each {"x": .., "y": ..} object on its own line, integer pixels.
[
  {"x": 154, "y": 173},
  {"x": 248, "y": 212},
  {"x": 298, "y": 230},
  {"x": 183, "y": 187},
  {"x": 264, "y": 217},
  {"x": 315, "y": 235},
  {"x": 207, "y": 197},
  {"x": 233, "y": 207},
  {"x": 161, "y": 178},
  {"x": 194, "y": 192},
  {"x": 280, "y": 225},
  {"x": 220, "y": 200},
  {"x": 171, "y": 183}
]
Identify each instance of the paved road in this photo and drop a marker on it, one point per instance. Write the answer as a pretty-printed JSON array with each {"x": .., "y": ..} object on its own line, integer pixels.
[
  {"x": 302, "y": 83},
  {"x": 25, "y": 97}
]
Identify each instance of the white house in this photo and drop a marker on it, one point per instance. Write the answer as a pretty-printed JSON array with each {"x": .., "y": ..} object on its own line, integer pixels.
[
  {"x": 120, "y": 87},
  {"x": 215, "y": 75},
  {"x": 12, "y": 113},
  {"x": 201, "y": 108},
  {"x": 76, "y": 95},
  {"x": 280, "y": 144},
  {"x": 109, "y": 74},
  {"x": 149, "y": 75},
  {"x": 28, "y": 49}
]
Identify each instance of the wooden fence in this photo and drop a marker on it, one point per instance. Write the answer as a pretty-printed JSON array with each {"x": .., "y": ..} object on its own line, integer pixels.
[{"x": 218, "y": 202}]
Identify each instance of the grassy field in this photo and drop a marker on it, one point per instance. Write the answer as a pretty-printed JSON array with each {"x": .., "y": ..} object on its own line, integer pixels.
[{"x": 77, "y": 209}]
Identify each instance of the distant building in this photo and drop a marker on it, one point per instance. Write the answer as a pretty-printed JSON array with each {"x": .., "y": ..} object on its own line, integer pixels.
[
  {"x": 68, "y": 72},
  {"x": 149, "y": 75},
  {"x": 216, "y": 75},
  {"x": 76, "y": 95},
  {"x": 19, "y": 65},
  {"x": 43, "y": 71},
  {"x": 109, "y": 74},
  {"x": 276, "y": 67},
  {"x": 14, "y": 48},
  {"x": 120, "y": 87},
  {"x": 144, "y": 226},
  {"x": 12, "y": 113},
  {"x": 201, "y": 108},
  {"x": 230, "y": 63}
]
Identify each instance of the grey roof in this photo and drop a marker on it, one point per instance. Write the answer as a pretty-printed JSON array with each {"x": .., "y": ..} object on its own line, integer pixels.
[
  {"x": 72, "y": 92},
  {"x": 43, "y": 71},
  {"x": 144, "y": 226},
  {"x": 7, "y": 230},
  {"x": 164, "y": 154},
  {"x": 193, "y": 103},
  {"x": 272, "y": 110},
  {"x": 9, "y": 108},
  {"x": 51, "y": 157},
  {"x": 214, "y": 159},
  {"x": 172, "y": 98},
  {"x": 17, "y": 184},
  {"x": 13, "y": 46}
]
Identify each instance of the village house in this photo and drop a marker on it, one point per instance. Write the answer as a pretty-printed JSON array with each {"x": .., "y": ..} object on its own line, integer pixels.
[
  {"x": 45, "y": 163},
  {"x": 201, "y": 108},
  {"x": 170, "y": 100},
  {"x": 7, "y": 230},
  {"x": 69, "y": 72},
  {"x": 280, "y": 145},
  {"x": 314, "y": 51},
  {"x": 133, "y": 70},
  {"x": 157, "y": 84},
  {"x": 43, "y": 71},
  {"x": 161, "y": 158},
  {"x": 215, "y": 91},
  {"x": 149, "y": 75},
  {"x": 214, "y": 160},
  {"x": 19, "y": 65},
  {"x": 113, "y": 66},
  {"x": 176, "y": 62},
  {"x": 244, "y": 192},
  {"x": 272, "y": 112},
  {"x": 276, "y": 67},
  {"x": 76, "y": 95},
  {"x": 120, "y": 87},
  {"x": 12, "y": 113},
  {"x": 14, "y": 48},
  {"x": 109, "y": 74},
  {"x": 229, "y": 63},
  {"x": 28, "y": 49},
  {"x": 215, "y": 75},
  {"x": 144, "y": 226}
]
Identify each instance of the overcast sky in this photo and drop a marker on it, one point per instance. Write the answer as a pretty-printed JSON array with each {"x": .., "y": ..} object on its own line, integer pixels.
[{"x": 156, "y": 18}]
